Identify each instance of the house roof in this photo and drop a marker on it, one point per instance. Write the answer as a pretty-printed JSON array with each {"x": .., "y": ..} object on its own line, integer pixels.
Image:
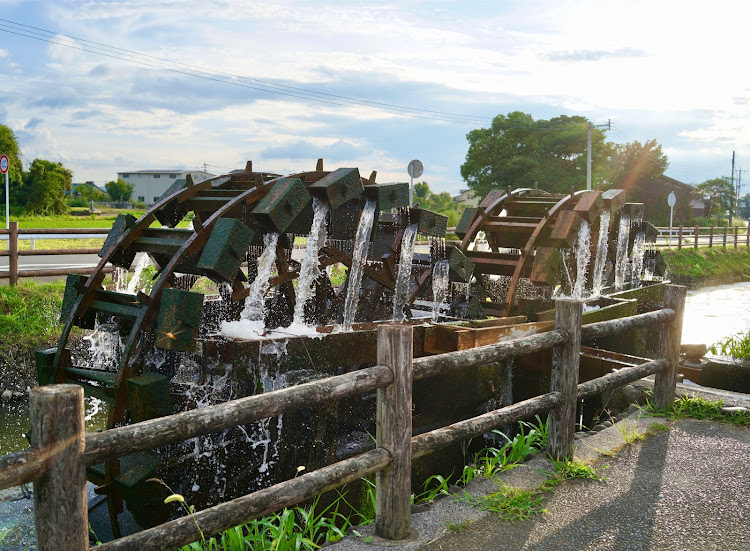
[
  {"x": 159, "y": 171},
  {"x": 666, "y": 180}
]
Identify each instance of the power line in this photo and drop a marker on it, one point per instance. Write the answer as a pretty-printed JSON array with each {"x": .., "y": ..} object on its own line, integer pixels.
[{"x": 154, "y": 62}]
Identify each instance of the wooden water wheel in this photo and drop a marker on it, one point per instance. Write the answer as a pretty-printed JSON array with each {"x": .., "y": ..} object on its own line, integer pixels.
[{"x": 525, "y": 230}]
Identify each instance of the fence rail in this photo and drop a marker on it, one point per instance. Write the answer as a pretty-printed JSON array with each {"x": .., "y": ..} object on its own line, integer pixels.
[
  {"x": 14, "y": 234},
  {"x": 697, "y": 236},
  {"x": 56, "y": 462}
]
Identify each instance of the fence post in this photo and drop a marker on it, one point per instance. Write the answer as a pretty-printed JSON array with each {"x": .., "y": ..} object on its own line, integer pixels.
[
  {"x": 565, "y": 361},
  {"x": 724, "y": 244},
  {"x": 711, "y": 238},
  {"x": 679, "y": 239},
  {"x": 13, "y": 254},
  {"x": 736, "y": 229},
  {"x": 60, "y": 506},
  {"x": 669, "y": 347},
  {"x": 695, "y": 241},
  {"x": 394, "y": 431}
]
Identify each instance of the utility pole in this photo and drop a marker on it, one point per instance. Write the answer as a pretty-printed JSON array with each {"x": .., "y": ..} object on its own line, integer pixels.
[
  {"x": 739, "y": 191},
  {"x": 730, "y": 209},
  {"x": 608, "y": 126}
]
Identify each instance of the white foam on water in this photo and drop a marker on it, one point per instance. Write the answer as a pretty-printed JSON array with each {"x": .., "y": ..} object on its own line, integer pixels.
[
  {"x": 359, "y": 259},
  {"x": 602, "y": 247},
  {"x": 309, "y": 270}
]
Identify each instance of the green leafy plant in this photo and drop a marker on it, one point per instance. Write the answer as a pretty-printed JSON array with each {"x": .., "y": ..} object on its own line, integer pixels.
[
  {"x": 699, "y": 408},
  {"x": 508, "y": 503},
  {"x": 567, "y": 469},
  {"x": 629, "y": 432},
  {"x": 736, "y": 346}
]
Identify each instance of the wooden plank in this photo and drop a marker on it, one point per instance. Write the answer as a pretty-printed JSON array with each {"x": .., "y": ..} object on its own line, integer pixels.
[
  {"x": 565, "y": 364},
  {"x": 184, "y": 530},
  {"x": 432, "y": 366},
  {"x": 620, "y": 377},
  {"x": 149, "y": 434},
  {"x": 564, "y": 231},
  {"x": 616, "y": 326},
  {"x": 60, "y": 502},
  {"x": 394, "y": 428},
  {"x": 589, "y": 205},
  {"x": 432, "y": 441}
]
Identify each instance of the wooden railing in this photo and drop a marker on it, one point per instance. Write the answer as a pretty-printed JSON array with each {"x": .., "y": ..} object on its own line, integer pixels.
[
  {"x": 61, "y": 450},
  {"x": 719, "y": 236},
  {"x": 14, "y": 234}
]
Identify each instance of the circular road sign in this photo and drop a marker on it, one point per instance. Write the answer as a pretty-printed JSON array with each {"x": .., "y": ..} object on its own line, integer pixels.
[
  {"x": 672, "y": 199},
  {"x": 415, "y": 168},
  {"x": 4, "y": 164}
]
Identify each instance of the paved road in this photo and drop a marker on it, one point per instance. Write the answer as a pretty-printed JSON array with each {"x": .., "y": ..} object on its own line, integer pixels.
[
  {"x": 63, "y": 262},
  {"x": 687, "y": 488}
]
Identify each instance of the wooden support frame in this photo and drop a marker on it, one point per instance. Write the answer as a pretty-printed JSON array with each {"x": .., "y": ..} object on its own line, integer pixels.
[
  {"x": 669, "y": 347},
  {"x": 60, "y": 498},
  {"x": 565, "y": 363},
  {"x": 394, "y": 428}
]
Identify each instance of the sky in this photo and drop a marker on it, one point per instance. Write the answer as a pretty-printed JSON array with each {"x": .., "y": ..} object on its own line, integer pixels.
[{"x": 107, "y": 87}]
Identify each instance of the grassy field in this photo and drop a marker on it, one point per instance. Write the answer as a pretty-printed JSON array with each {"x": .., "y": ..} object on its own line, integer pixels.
[{"x": 704, "y": 267}]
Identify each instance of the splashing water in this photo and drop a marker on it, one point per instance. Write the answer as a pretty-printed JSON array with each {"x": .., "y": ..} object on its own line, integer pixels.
[
  {"x": 637, "y": 256},
  {"x": 583, "y": 256},
  {"x": 601, "y": 252},
  {"x": 440, "y": 282},
  {"x": 621, "y": 260},
  {"x": 105, "y": 346},
  {"x": 135, "y": 282},
  {"x": 403, "y": 279},
  {"x": 310, "y": 271},
  {"x": 359, "y": 257},
  {"x": 251, "y": 323}
]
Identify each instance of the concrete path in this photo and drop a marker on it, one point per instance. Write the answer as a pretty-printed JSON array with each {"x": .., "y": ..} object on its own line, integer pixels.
[{"x": 687, "y": 487}]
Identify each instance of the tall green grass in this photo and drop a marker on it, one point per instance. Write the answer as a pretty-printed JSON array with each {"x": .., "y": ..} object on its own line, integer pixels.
[{"x": 736, "y": 346}]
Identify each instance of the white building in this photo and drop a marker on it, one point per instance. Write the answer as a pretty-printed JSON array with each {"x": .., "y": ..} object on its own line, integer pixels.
[
  {"x": 467, "y": 198},
  {"x": 149, "y": 185}
]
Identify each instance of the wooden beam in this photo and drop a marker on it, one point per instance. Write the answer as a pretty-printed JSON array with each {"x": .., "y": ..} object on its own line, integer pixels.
[{"x": 669, "y": 347}]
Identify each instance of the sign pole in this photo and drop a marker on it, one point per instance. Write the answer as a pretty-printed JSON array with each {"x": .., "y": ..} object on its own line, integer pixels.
[
  {"x": 671, "y": 201},
  {"x": 4, "y": 166},
  {"x": 414, "y": 169}
]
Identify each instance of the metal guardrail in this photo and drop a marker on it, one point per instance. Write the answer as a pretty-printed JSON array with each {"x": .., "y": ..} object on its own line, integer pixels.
[
  {"x": 697, "y": 236},
  {"x": 15, "y": 234}
]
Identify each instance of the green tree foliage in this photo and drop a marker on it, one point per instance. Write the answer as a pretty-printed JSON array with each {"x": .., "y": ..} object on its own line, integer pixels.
[
  {"x": 441, "y": 203},
  {"x": 119, "y": 190},
  {"x": 45, "y": 186},
  {"x": 518, "y": 151},
  {"x": 9, "y": 146},
  {"x": 633, "y": 166},
  {"x": 718, "y": 194},
  {"x": 743, "y": 206}
]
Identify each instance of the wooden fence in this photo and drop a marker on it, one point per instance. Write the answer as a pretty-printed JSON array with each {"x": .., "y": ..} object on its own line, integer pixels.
[
  {"x": 712, "y": 236},
  {"x": 61, "y": 450},
  {"x": 13, "y": 273}
]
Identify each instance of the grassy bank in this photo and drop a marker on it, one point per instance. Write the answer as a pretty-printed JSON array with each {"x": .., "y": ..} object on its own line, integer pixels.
[
  {"x": 28, "y": 321},
  {"x": 704, "y": 267}
]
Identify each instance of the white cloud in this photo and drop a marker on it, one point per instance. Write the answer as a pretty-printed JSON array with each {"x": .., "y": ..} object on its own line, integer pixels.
[{"x": 63, "y": 49}]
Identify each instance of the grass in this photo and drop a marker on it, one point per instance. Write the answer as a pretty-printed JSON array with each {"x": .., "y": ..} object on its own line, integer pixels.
[
  {"x": 457, "y": 527},
  {"x": 629, "y": 432},
  {"x": 508, "y": 503},
  {"x": 702, "y": 267},
  {"x": 737, "y": 346},
  {"x": 569, "y": 469},
  {"x": 29, "y": 314},
  {"x": 693, "y": 407}
]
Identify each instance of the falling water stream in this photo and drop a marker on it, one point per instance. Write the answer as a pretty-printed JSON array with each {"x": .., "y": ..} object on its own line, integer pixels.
[
  {"x": 583, "y": 256},
  {"x": 403, "y": 279},
  {"x": 251, "y": 323},
  {"x": 359, "y": 257},
  {"x": 309, "y": 270},
  {"x": 621, "y": 260},
  {"x": 440, "y": 282},
  {"x": 601, "y": 252},
  {"x": 636, "y": 258}
]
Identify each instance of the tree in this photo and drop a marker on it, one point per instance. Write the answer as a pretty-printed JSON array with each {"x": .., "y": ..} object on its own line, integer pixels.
[
  {"x": 718, "y": 194},
  {"x": 9, "y": 146},
  {"x": 743, "y": 206},
  {"x": 45, "y": 186},
  {"x": 441, "y": 203},
  {"x": 633, "y": 166},
  {"x": 119, "y": 190},
  {"x": 517, "y": 151}
]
